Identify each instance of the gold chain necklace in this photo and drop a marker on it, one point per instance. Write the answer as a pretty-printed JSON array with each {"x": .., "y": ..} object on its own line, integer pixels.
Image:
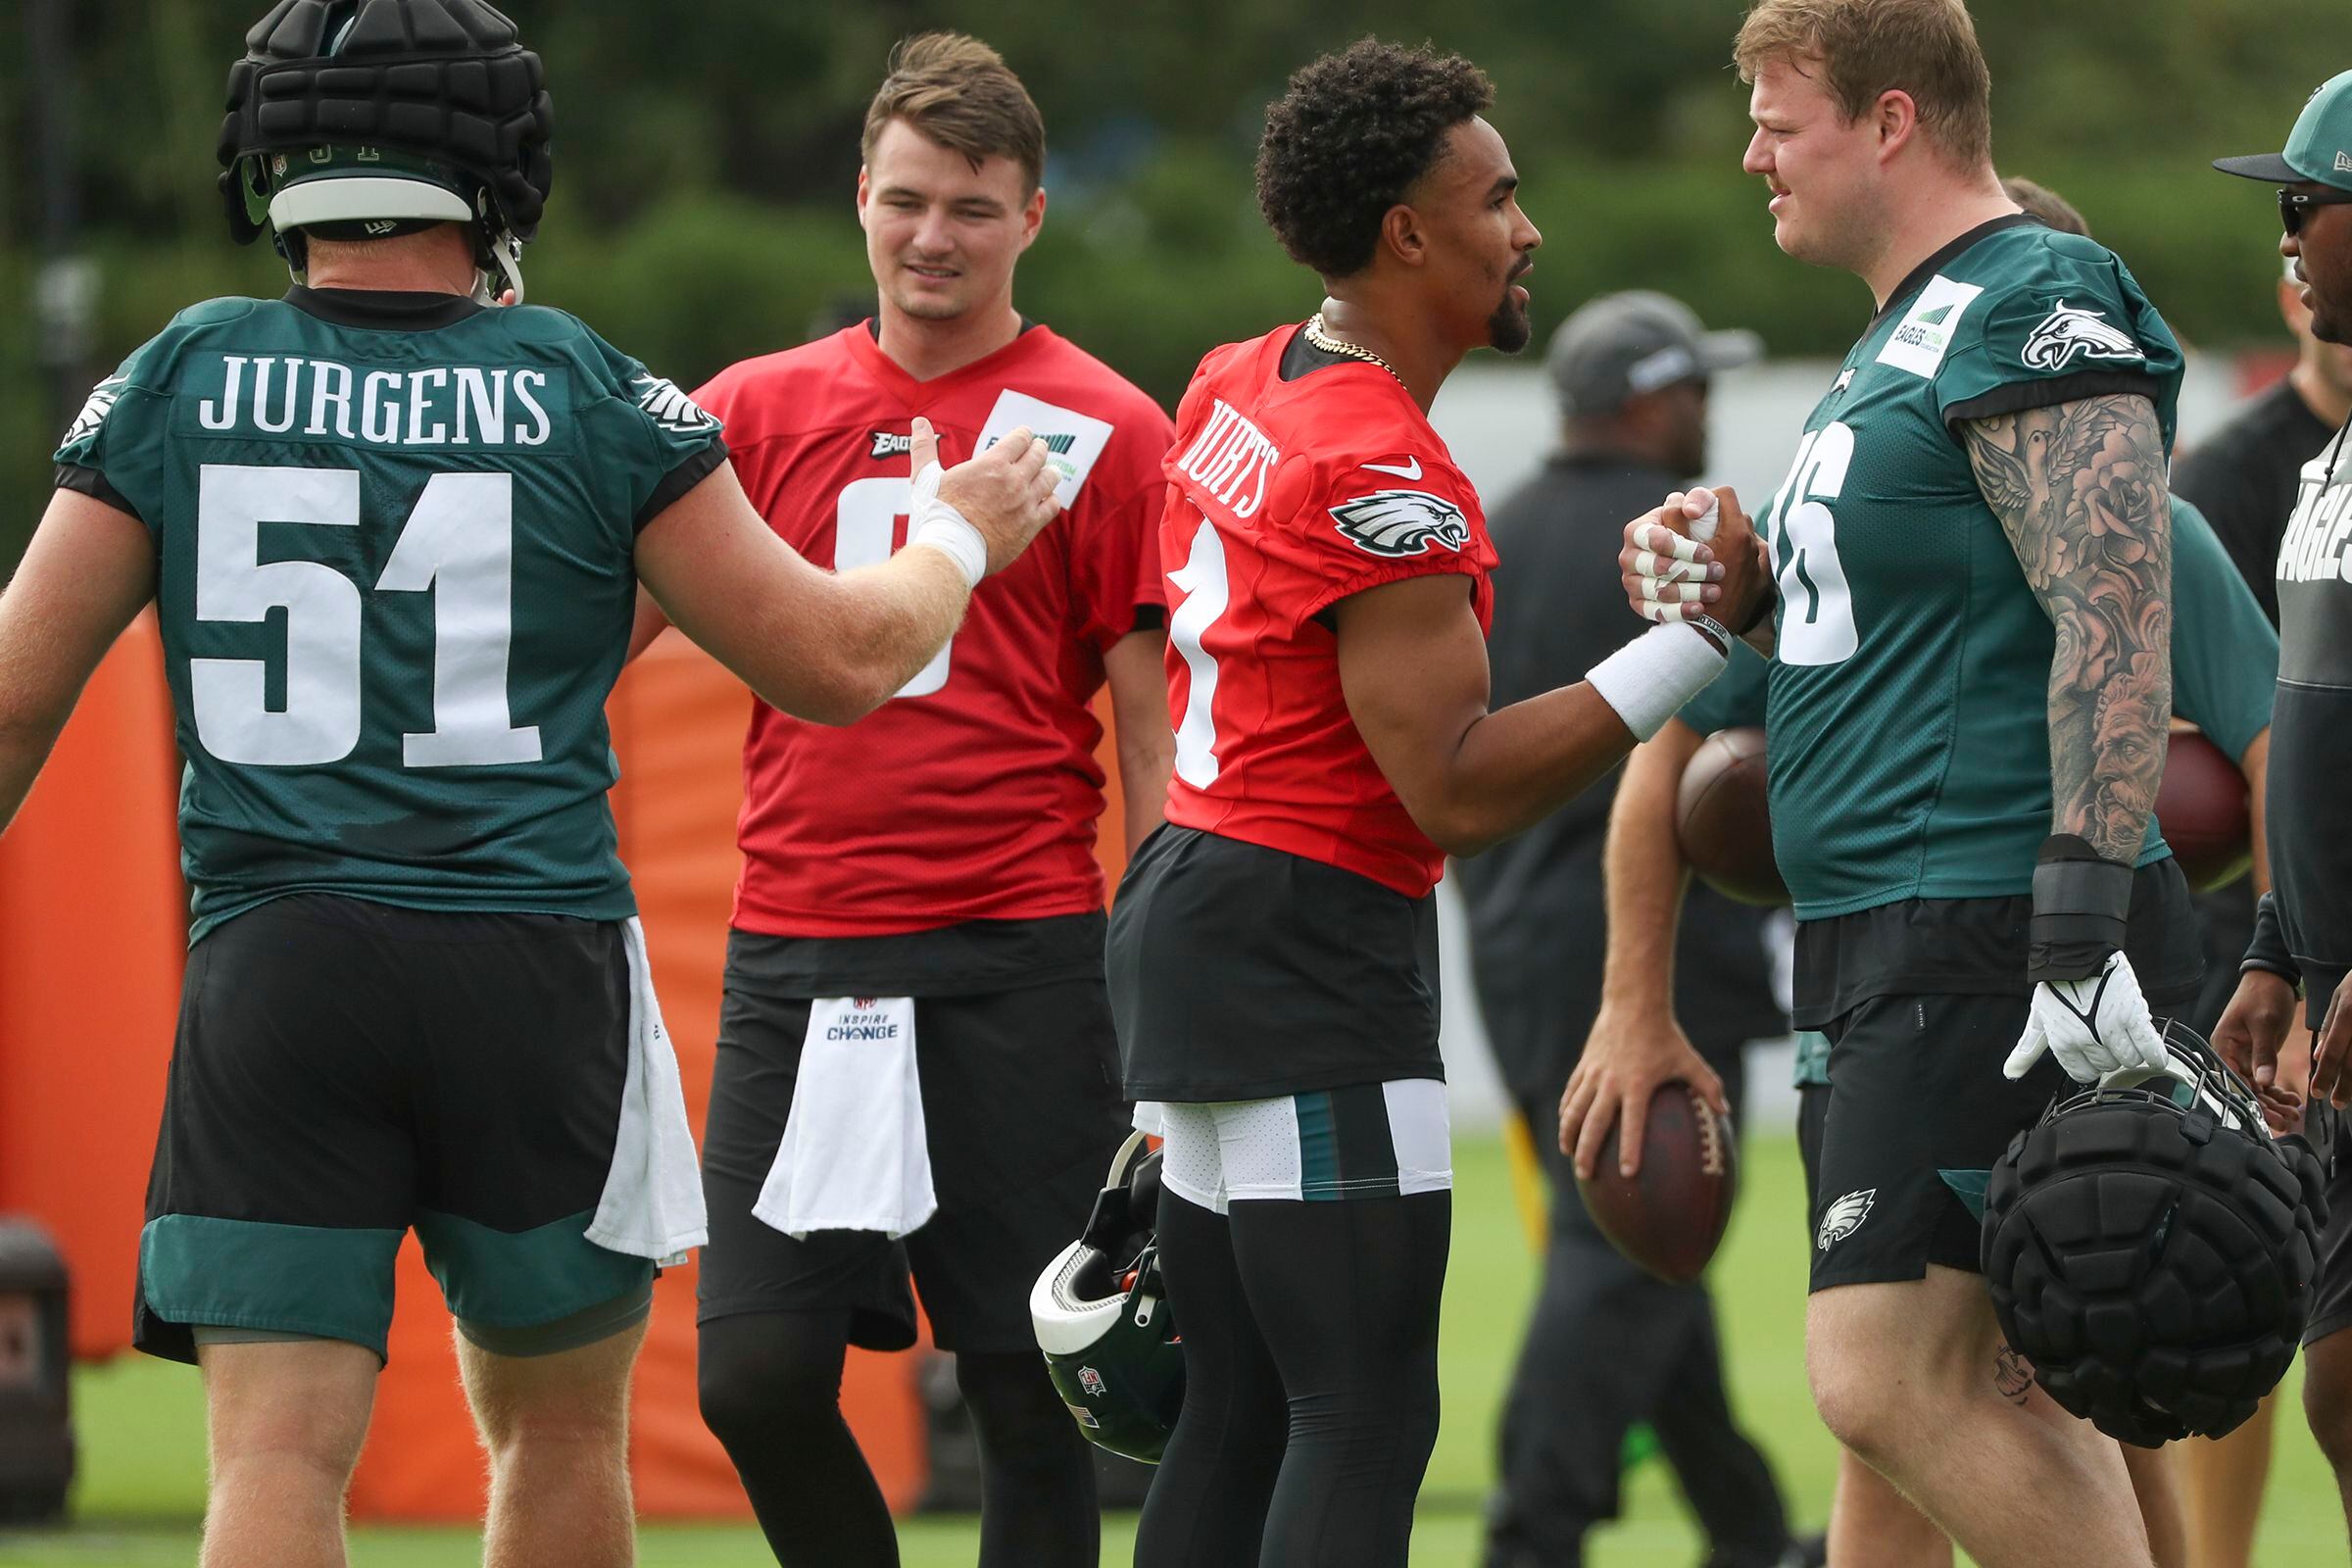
[{"x": 1322, "y": 339}]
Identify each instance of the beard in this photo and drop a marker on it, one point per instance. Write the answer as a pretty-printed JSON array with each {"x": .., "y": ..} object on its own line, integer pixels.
[{"x": 1509, "y": 329}]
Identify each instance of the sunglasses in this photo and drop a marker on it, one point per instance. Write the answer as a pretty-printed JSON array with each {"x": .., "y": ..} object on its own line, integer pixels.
[{"x": 2294, "y": 206}]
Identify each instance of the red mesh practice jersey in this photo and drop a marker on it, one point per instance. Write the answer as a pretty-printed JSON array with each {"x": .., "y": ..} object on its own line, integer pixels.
[
  {"x": 1285, "y": 497},
  {"x": 972, "y": 794}
]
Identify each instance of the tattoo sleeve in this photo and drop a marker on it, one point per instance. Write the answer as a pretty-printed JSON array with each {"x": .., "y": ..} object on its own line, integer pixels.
[{"x": 2079, "y": 488}]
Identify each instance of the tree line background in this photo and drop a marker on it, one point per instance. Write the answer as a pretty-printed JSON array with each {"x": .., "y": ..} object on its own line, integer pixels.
[{"x": 707, "y": 156}]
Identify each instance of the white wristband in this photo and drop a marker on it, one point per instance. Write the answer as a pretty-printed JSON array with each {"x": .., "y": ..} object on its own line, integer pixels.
[
  {"x": 934, "y": 522},
  {"x": 1655, "y": 674}
]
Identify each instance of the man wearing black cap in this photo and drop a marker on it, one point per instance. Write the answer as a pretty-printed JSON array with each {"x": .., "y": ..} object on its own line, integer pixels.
[
  {"x": 2303, "y": 928},
  {"x": 1607, "y": 1346}
]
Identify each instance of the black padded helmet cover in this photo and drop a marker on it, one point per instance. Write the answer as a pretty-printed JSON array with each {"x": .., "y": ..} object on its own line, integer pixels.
[
  {"x": 2152, "y": 1251},
  {"x": 446, "y": 79}
]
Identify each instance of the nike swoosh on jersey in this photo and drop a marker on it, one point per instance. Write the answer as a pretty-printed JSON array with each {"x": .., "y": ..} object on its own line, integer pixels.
[{"x": 1411, "y": 468}]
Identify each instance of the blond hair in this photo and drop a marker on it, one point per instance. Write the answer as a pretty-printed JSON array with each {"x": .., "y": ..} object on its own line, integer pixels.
[
  {"x": 2039, "y": 201},
  {"x": 1924, "y": 48},
  {"x": 959, "y": 92}
]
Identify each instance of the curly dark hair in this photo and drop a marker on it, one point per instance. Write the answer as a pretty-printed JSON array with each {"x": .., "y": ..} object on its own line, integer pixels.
[{"x": 1352, "y": 133}]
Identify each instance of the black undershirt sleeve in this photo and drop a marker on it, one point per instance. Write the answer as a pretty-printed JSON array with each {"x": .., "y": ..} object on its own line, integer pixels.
[
  {"x": 2015, "y": 397},
  {"x": 680, "y": 479},
  {"x": 90, "y": 482}
]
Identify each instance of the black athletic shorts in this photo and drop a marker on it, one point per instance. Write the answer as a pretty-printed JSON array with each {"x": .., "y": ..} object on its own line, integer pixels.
[
  {"x": 1022, "y": 1111},
  {"x": 2331, "y": 1292},
  {"x": 1240, "y": 972},
  {"x": 346, "y": 1070},
  {"x": 1812, "y": 1119},
  {"x": 1919, "y": 1111}
]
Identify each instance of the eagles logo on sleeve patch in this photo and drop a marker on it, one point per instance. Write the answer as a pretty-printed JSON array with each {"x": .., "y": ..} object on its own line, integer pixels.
[
  {"x": 94, "y": 412},
  {"x": 660, "y": 397},
  {"x": 1395, "y": 523},
  {"x": 2069, "y": 333}
]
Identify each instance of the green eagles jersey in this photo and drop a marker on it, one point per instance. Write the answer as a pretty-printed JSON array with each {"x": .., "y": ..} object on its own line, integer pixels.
[
  {"x": 2225, "y": 649},
  {"x": 394, "y": 536},
  {"x": 1734, "y": 699},
  {"x": 1909, "y": 688},
  {"x": 2224, "y": 652}
]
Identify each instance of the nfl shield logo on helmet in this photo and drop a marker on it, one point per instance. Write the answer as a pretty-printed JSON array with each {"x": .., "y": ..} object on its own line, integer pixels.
[{"x": 1092, "y": 1382}]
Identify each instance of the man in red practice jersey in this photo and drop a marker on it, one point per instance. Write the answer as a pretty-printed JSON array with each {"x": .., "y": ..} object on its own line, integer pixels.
[
  {"x": 1273, "y": 950},
  {"x": 919, "y": 904}
]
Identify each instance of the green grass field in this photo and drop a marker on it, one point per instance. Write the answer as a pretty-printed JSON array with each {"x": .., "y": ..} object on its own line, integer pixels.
[{"x": 142, "y": 1467}]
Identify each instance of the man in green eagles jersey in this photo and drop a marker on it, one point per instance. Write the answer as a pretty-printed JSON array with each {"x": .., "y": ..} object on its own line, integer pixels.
[
  {"x": 1969, "y": 692},
  {"x": 2224, "y": 667},
  {"x": 394, "y": 536}
]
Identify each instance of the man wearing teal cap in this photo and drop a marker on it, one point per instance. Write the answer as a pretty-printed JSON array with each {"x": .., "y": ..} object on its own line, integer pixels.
[{"x": 2303, "y": 928}]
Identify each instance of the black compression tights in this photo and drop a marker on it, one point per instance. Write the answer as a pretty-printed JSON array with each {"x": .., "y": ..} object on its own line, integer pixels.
[
  {"x": 1311, "y": 1363},
  {"x": 770, "y": 1386}
]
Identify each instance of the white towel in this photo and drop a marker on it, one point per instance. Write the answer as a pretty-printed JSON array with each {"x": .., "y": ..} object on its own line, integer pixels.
[
  {"x": 853, "y": 1156},
  {"x": 652, "y": 1200}
]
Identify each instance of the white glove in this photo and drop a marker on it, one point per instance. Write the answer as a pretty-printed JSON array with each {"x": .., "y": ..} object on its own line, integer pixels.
[{"x": 2092, "y": 1026}]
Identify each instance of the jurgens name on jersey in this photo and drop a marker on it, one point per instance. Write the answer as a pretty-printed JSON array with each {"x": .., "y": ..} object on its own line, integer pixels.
[{"x": 441, "y": 407}]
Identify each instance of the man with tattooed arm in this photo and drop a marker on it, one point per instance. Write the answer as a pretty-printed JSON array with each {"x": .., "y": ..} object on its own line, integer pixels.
[{"x": 1969, "y": 693}]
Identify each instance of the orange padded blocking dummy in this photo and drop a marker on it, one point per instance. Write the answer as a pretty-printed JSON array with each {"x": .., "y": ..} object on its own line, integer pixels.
[
  {"x": 96, "y": 915},
  {"x": 90, "y": 988},
  {"x": 677, "y": 727}
]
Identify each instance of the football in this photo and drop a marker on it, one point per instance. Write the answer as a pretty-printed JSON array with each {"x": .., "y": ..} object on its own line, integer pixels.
[
  {"x": 1670, "y": 1215},
  {"x": 2203, "y": 812},
  {"x": 1723, "y": 821}
]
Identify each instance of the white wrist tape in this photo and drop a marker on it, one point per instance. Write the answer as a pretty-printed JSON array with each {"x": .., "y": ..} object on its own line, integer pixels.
[
  {"x": 1655, "y": 674},
  {"x": 934, "y": 522}
]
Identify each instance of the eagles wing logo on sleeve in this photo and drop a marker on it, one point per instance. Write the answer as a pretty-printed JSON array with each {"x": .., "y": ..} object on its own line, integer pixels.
[
  {"x": 1397, "y": 523},
  {"x": 2070, "y": 331},
  {"x": 1845, "y": 1217},
  {"x": 94, "y": 412},
  {"x": 671, "y": 408}
]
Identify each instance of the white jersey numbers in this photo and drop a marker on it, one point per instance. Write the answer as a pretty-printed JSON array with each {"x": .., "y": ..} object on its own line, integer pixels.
[
  {"x": 458, "y": 542},
  {"x": 1202, "y": 580},
  {"x": 1817, "y": 608},
  {"x": 865, "y": 524}
]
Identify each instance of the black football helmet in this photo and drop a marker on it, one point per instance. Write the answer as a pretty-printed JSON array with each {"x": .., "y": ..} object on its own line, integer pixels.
[
  {"x": 1101, "y": 1317},
  {"x": 358, "y": 119},
  {"x": 2150, "y": 1247}
]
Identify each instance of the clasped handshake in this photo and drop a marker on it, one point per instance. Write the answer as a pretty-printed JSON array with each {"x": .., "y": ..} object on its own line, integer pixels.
[{"x": 1696, "y": 559}]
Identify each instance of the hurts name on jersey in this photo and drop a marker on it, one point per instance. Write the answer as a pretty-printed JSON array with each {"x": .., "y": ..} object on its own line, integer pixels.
[
  {"x": 289, "y": 396},
  {"x": 1231, "y": 453}
]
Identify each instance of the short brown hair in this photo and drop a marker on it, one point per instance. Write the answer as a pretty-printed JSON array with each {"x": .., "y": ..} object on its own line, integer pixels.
[
  {"x": 2039, "y": 201},
  {"x": 958, "y": 91},
  {"x": 1925, "y": 48}
]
